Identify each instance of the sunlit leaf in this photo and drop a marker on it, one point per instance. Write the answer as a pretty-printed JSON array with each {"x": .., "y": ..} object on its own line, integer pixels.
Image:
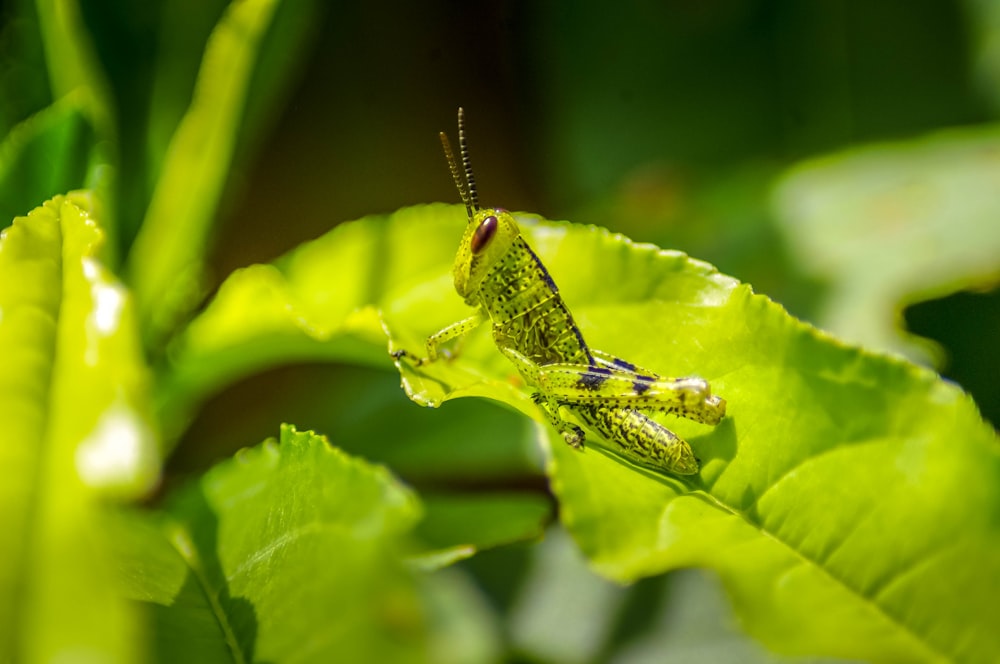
[
  {"x": 319, "y": 302},
  {"x": 290, "y": 551},
  {"x": 74, "y": 430},
  {"x": 827, "y": 497}
]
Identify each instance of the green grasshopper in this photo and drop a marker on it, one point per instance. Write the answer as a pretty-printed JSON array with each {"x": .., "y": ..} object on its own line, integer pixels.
[{"x": 497, "y": 273}]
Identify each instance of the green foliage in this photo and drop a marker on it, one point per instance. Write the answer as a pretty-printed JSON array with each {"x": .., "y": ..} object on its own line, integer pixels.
[
  {"x": 238, "y": 566},
  {"x": 27, "y": 172},
  {"x": 166, "y": 263},
  {"x": 76, "y": 428},
  {"x": 870, "y": 221},
  {"x": 847, "y": 503},
  {"x": 869, "y": 444}
]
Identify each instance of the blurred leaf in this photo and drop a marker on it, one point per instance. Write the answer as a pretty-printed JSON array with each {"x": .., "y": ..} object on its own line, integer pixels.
[
  {"x": 457, "y": 525},
  {"x": 288, "y": 551},
  {"x": 318, "y": 302},
  {"x": 71, "y": 63},
  {"x": 566, "y": 613},
  {"x": 484, "y": 444},
  {"x": 161, "y": 92},
  {"x": 167, "y": 259},
  {"x": 183, "y": 29},
  {"x": 563, "y": 612},
  {"x": 465, "y": 629},
  {"x": 722, "y": 216},
  {"x": 984, "y": 24},
  {"x": 74, "y": 428},
  {"x": 890, "y": 225},
  {"x": 695, "y": 626},
  {"x": 284, "y": 50},
  {"x": 127, "y": 44},
  {"x": 24, "y": 85},
  {"x": 50, "y": 153}
]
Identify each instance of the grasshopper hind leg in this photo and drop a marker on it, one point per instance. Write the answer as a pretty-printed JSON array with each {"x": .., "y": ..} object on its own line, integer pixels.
[
  {"x": 571, "y": 433},
  {"x": 641, "y": 439}
]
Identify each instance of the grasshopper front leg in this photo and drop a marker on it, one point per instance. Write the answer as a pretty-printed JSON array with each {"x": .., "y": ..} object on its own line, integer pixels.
[{"x": 438, "y": 339}]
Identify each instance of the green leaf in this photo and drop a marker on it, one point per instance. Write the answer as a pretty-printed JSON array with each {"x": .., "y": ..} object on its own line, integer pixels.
[
  {"x": 848, "y": 500},
  {"x": 286, "y": 552},
  {"x": 22, "y": 90},
  {"x": 183, "y": 30},
  {"x": 465, "y": 628},
  {"x": 74, "y": 430},
  {"x": 693, "y": 624},
  {"x": 319, "y": 302},
  {"x": 180, "y": 30},
  {"x": 894, "y": 224},
  {"x": 167, "y": 259},
  {"x": 458, "y": 525},
  {"x": 482, "y": 444},
  {"x": 316, "y": 303},
  {"x": 72, "y": 67},
  {"x": 559, "y": 589},
  {"x": 47, "y": 154},
  {"x": 984, "y": 24}
]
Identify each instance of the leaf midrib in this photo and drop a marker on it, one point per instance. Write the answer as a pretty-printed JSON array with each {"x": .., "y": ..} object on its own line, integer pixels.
[
  {"x": 933, "y": 649},
  {"x": 193, "y": 563}
]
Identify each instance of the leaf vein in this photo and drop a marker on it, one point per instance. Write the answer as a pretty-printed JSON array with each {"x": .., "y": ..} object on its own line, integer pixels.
[
  {"x": 894, "y": 619},
  {"x": 188, "y": 553}
]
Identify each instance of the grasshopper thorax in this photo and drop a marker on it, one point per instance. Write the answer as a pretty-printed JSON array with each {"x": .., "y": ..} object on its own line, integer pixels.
[{"x": 488, "y": 237}]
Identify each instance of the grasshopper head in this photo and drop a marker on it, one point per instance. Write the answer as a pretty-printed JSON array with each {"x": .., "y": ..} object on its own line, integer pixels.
[
  {"x": 487, "y": 238},
  {"x": 491, "y": 231}
]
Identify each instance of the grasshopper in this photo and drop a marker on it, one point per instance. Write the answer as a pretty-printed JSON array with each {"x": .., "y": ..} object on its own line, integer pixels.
[{"x": 498, "y": 274}]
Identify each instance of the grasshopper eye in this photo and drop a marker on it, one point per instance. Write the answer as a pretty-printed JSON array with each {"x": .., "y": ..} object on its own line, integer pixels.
[{"x": 484, "y": 233}]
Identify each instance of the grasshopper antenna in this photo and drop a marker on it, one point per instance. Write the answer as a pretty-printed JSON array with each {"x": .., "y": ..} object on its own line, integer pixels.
[
  {"x": 456, "y": 175},
  {"x": 470, "y": 179},
  {"x": 466, "y": 186}
]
